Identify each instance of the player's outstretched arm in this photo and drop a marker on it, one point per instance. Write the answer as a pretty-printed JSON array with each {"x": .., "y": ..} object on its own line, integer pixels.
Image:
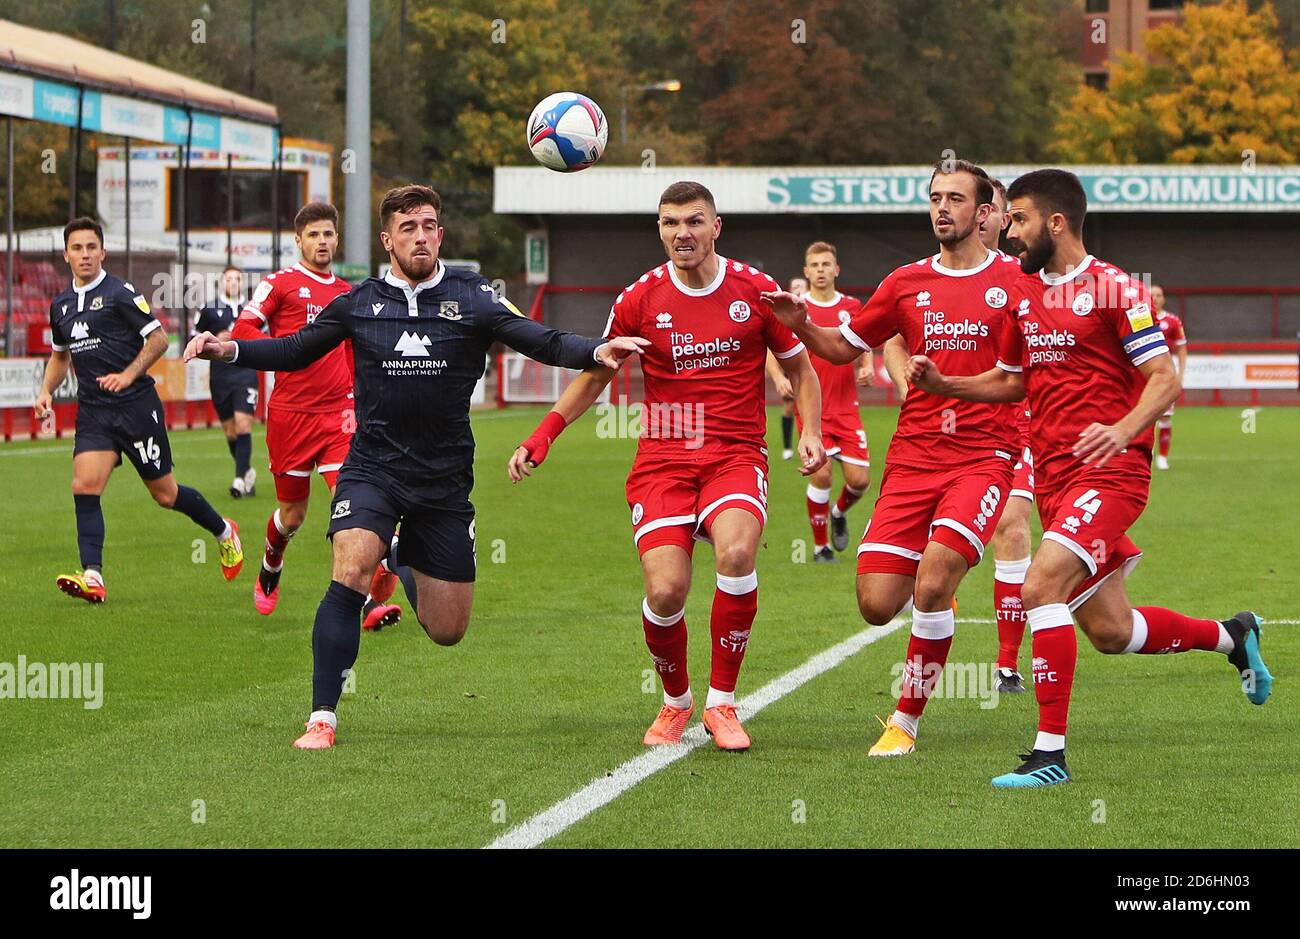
[
  {"x": 895, "y": 352},
  {"x": 1099, "y": 442},
  {"x": 996, "y": 386},
  {"x": 556, "y": 347},
  {"x": 580, "y": 395},
  {"x": 792, "y": 311},
  {"x": 808, "y": 399},
  {"x": 286, "y": 354}
]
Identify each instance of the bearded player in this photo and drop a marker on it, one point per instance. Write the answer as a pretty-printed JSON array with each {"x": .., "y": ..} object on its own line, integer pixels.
[
  {"x": 843, "y": 436},
  {"x": 1176, "y": 338},
  {"x": 701, "y": 467},
  {"x": 949, "y": 467},
  {"x": 309, "y": 417},
  {"x": 1083, "y": 345}
]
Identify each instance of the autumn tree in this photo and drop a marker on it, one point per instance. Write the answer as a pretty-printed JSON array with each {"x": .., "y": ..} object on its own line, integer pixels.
[{"x": 1219, "y": 86}]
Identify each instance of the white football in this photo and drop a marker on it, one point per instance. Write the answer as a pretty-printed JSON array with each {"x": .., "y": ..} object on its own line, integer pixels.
[{"x": 567, "y": 132}]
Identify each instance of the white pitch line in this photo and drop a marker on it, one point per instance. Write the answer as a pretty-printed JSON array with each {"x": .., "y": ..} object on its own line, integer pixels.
[{"x": 605, "y": 789}]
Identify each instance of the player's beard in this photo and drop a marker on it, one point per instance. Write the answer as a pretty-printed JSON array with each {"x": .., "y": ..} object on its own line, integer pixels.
[
  {"x": 955, "y": 235},
  {"x": 1037, "y": 252},
  {"x": 418, "y": 269}
]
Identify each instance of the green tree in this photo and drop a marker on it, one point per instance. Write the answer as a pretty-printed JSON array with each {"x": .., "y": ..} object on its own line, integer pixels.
[{"x": 1219, "y": 85}]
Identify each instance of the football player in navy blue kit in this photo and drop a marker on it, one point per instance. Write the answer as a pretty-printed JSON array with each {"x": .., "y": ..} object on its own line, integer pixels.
[
  {"x": 234, "y": 389},
  {"x": 104, "y": 329},
  {"x": 420, "y": 337}
]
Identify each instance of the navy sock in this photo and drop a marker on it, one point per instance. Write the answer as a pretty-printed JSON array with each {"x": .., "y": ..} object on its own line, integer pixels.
[
  {"x": 787, "y": 430},
  {"x": 90, "y": 531},
  {"x": 191, "y": 502},
  {"x": 243, "y": 451},
  {"x": 230, "y": 443},
  {"x": 335, "y": 639}
]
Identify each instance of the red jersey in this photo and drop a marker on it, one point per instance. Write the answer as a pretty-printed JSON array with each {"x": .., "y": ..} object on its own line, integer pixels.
[
  {"x": 1171, "y": 327},
  {"x": 284, "y": 303},
  {"x": 1079, "y": 338},
  {"x": 704, "y": 366},
  {"x": 955, "y": 317},
  {"x": 839, "y": 382}
]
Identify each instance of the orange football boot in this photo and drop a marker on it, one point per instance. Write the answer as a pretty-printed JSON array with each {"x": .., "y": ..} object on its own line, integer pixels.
[
  {"x": 668, "y": 726},
  {"x": 319, "y": 736},
  {"x": 87, "y": 586},
  {"x": 722, "y": 724}
]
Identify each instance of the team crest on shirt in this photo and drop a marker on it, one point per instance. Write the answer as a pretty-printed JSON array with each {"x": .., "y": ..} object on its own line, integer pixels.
[
  {"x": 995, "y": 297},
  {"x": 1083, "y": 304},
  {"x": 449, "y": 309},
  {"x": 846, "y": 317},
  {"x": 638, "y": 513},
  {"x": 97, "y": 303},
  {"x": 739, "y": 311}
]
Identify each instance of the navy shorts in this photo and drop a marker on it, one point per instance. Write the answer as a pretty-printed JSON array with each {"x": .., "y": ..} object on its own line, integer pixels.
[
  {"x": 227, "y": 399},
  {"x": 136, "y": 427},
  {"x": 437, "y": 542}
]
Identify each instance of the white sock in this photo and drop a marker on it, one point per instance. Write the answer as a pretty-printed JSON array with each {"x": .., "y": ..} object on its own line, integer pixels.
[
  {"x": 274, "y": 570},
  {"x": 820, "y": 496},
  {"x": 1138, "y": 638},
  {"x": 1011, "y": 572},
  {"x": 1226, "y": 644},
  {"x": 328, "y": 717},
  {"x": 681, "y": 701},
  {"x": 279, "y": 526},
  {"x": 909, "y": 722},
  {"x": 225, "y": 533},
  {"x": 1050, "y": 742},
  {"x": 716, "y": 698},
  {"x": 93, "y": 576}
]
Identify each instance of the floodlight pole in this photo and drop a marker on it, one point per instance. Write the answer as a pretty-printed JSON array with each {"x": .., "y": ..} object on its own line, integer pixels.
[{"x": 356, "y": 184}]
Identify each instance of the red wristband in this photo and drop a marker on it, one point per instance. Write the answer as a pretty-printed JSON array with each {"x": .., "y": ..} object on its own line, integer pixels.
[{"x": 539, "y": 441}]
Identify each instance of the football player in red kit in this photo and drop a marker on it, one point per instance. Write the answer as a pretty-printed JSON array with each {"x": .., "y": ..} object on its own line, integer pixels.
[
  {"x": 309, "y": 416},
  {"x": 843, "y": 435},
  {"x": 1082, "y": 342},
  {"x": 1176, "y": 338},
  {"x": 949, "y": 468},
  {"x": 701, "y": 467}
]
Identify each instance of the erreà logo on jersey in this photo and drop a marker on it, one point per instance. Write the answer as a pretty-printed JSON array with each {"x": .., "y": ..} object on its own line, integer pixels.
[
  {"x": 412, "y": 344},
  {"x": 923, "y": 298},
  {"x": 664, "y": 320}
]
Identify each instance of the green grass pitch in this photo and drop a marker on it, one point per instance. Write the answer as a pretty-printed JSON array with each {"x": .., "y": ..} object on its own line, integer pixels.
[{"x": 202, "y": 696}]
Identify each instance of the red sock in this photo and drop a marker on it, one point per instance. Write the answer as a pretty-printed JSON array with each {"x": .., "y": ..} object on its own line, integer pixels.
[
  {"x": 667, "y": 645},
  {"x": 276, "y": 541},
  {"x": 1008, "y": 577},
  {"x": 1157, "y": 631},
  {"x": 1165, "y": 434},
  {"x": 848, "y": 498},
  {"x": 1055, "y": 650},
  {"x": 735, "y": 603},
  {"x": 927, "y": 652},
  {"x": 818, "y": 511}
]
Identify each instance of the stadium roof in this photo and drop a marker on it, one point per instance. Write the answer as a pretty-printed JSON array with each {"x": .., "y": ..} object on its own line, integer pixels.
[
  {"x": 43, "y": 54},
  {"x": 768, "y": 190}
]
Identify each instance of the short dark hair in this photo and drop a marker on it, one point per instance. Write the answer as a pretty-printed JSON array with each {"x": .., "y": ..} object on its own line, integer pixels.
[
  {"x": 1054, "y": 191},
  {"x": 999, "y": 187},
  {"x": 83, "y": 223},
  {"x": 685, "y": 191},
  {"x": 315, "y": 212},
  {"x": 983, "y": 185},
  {"x": 408, "y": 199}
]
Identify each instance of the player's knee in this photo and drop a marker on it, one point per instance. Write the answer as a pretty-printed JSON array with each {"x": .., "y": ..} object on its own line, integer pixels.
[
  {"x": 735, "y": 560},
  {"x": 873, "y": 610},
  {"x": 1108, "y": 635},
  {"x": 165, "y": 497},
  {"x": 445, "y": 631},
  {"x": 1039, "y": 590},
  {"x": 82, "y": 487},
  {"x": 932, "y": 594},
  {"x": 666, "y": 596}
]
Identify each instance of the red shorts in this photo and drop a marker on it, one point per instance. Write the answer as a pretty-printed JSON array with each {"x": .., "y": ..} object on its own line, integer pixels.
[
  {"x": 1022, "y": 483},
  {"x": 843, "y": 438},
  {"x": 297, "y": 443},
  {"x": 1090, "y": 510},
  {"x": 675, "y": 499},
  {"x": 957, "y": 507}
]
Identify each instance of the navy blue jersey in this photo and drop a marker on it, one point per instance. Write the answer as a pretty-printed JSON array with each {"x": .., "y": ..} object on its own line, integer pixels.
[
  {"x": 103, "y": 325},
  {"x": 217, "y": 318},
  {"x": 418, "y": 353}
]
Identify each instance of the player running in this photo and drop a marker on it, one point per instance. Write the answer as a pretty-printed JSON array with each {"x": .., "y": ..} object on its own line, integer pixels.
[
  {"x": 104, "y": 329},
  {"x": 950, "y": 464},
  {"x": 419, "y": 339},
  {"x": 234, "y": 390},
  {"x": 798, "y": 287},
  {"x": 1082, "y": 343},
  {"x": 1176, "y": 338},
  {"x": 843, "y": 436},
  {"x": 309, "y": 417},
  {"x": 700, "y": 472}
]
